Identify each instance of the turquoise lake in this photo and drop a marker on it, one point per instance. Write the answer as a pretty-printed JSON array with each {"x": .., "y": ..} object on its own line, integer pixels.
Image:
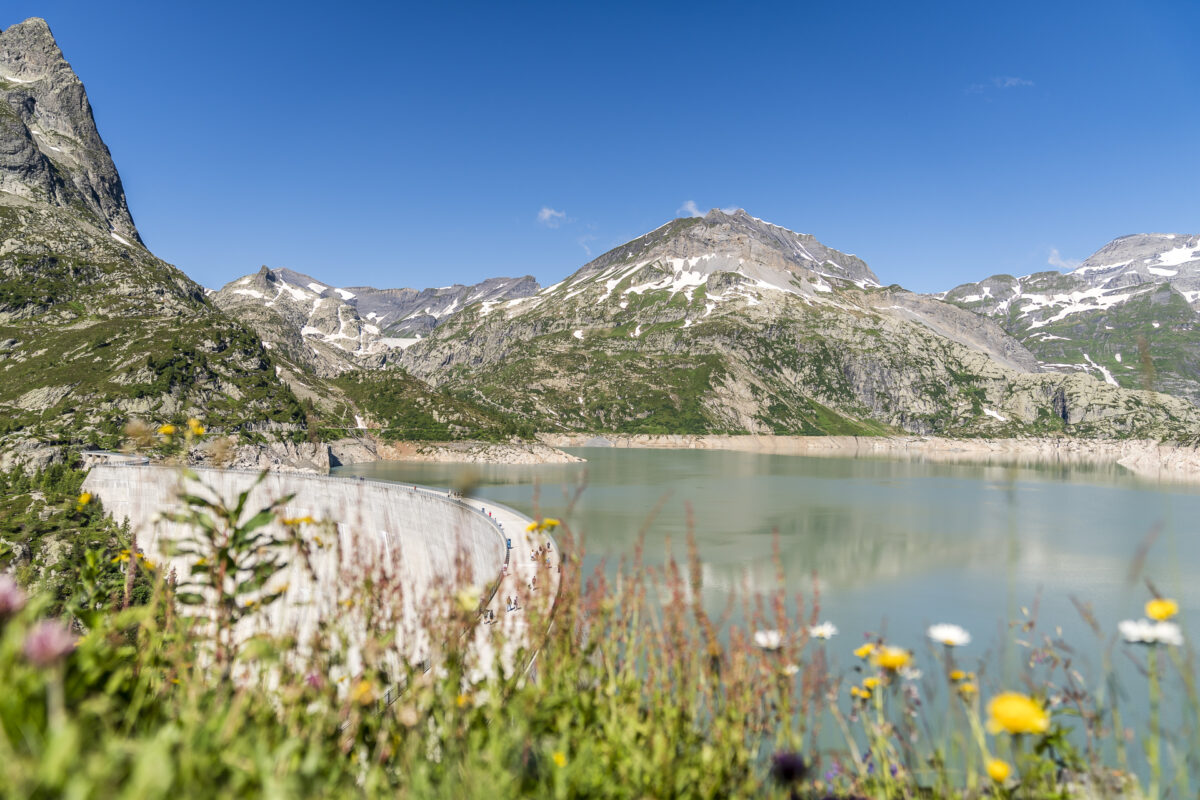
[{"x": 895, "y": 545}]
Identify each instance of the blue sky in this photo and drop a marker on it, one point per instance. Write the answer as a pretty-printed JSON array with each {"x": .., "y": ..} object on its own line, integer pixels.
[{"x": 418, "y": 144}]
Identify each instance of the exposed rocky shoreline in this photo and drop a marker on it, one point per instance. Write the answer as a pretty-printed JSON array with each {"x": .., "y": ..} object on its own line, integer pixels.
[
  {"x": 1149, "y": 459},
  {"x": 356, "y": 451}
]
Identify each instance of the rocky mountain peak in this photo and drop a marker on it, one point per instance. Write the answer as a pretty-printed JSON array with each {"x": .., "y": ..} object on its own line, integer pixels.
[{"x": 50, "y": 149}]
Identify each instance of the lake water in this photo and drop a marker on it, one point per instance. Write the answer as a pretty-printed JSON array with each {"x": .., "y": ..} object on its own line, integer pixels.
[{"x": 896, "y": 545}]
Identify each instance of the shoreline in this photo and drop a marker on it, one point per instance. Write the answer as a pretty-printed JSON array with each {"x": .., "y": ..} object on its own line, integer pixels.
[{"x": 1142, "y": 457}]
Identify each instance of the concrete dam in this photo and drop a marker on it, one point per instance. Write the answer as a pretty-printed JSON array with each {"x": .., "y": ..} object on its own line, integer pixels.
[{"x": 414, "y": 546}]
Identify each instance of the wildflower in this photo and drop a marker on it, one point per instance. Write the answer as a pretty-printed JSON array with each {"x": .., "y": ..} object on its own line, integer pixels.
[
  {"x": 826, "y": 630},
  {"x": 408, "y": 716},
  {"x": 768, "y": 640},
  {"x": 949, "y": 635},
  {"x": 560, "y": 758},
  {"x": 870, "y": 683},
  {"x": 12, "y": 599},
  {"x": 194, "y": 427},
  {"x": 84, "y": 499},
  {"x": 461, "y": 700},
  {"x": 121, "y": 557},
  {"x": 910, "y": 673},
  {"x": 468, "y": 598},
  {"x": 861, "y": 693},
  {"x": 967, "y": 689},
  {"x": 957, "y": 675},
  {"x": 891, "y": 658},
  {"x": 550, "y": 522},
  {"x": 790, "y": 669},
  {"x": 1160, "y": 609},
  {"x": 48, "y": 642},
  {"x": 315, "y": 680},
  {"x": 864, "y": 650},
  {"x": 362, "y": 693},
  {"x": 1143, "y": 631},
  {"x": 1013, "y": 712},
  {"x": 788, "y": 768},
  {"x": 294, "y": 521},
  {"x": 998, "y": 770},
  {"x": 166, "y": 430}
]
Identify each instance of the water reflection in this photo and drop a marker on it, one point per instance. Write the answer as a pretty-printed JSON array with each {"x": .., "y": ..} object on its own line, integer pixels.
[{"x": 906, "y": 542}]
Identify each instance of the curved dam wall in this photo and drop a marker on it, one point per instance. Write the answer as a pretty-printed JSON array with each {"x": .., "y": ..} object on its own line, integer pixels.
[{"x": 413, "y": 544}]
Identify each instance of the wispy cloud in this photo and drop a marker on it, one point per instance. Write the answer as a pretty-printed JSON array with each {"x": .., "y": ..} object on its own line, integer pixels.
[
  {"x": 689, "y": 209},
  {"x": 551, "y": 218},
  {"x": 1002, "y": 82},
  {"x": 1056, "y": 260},
  {"x": 583, "y": 242}
]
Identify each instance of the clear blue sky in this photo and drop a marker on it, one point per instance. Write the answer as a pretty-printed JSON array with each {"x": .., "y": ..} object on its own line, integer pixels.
[{"x": 415, "y": 144}]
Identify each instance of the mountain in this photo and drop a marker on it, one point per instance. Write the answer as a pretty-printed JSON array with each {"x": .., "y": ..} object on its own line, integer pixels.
[
  {"x": 94, "y": 329},
  {"x": 729, "y": 323},
  {"x": 333, "y": 330},
  {"x": 52, "y": 152},
  {"x": 1129, "y": 314}
]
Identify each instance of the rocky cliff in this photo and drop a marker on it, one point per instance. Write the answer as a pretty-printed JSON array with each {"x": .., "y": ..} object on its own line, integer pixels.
[{"x": 50, "y": 150}]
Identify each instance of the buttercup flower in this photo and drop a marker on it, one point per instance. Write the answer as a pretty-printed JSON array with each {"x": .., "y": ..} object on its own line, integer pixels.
[
  {"x": 870, "y": 683},
  {"x": 998, "y": 770},
  {"x": 1143, "y": 631},
  {"x": 166, "y": 430},
  {"x": 48, "y": 642},
  {"x": 1013, "y": 712},
  {"x": 862, "y": 651},
  {"x": 362, "y": 693},
  {"x": 194, "y": 427},
  {"x": 1160, "y": 608},
  {"x": 560, "y": 758},
  {"x": 768, "y": 640},
  {"x": 891, "y": 658},
  {"x": 957, "y": 675},
  {"x": 826, "y": 630},
  {"x": 949, "y": 635},
  {"x": 12, "y": 599}
]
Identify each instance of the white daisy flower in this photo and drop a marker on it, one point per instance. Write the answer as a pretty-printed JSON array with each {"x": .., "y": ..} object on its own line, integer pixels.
[
  {"x": 949, "y": 635},
  {"x": 768, "y": 640},
  {"x": 826, "y": 630},
  {"x": 1143, "y": 631}
]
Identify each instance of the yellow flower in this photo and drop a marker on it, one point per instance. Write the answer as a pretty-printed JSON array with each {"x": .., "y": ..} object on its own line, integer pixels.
[
  {"x": 461, "y": 700},
  {"x": 84, "y": 499},
  {"x": 550, "y": 522},
  {"x": 857, "y": 692},
  {"x": 122, "y": 557},
  {"x": 560, "y": 758},
  {"x": 892, "y": 658},
  {"x": 957, "y": 675},
  {"x": 166, "y": 430},
  {"x": 1160, "y": 609},
  {"x": 1013, "y": 712},
  {"x": 865, "y": 650},
  {"x": 870, "y": 683},
  {"x": 531, "y": 527},
  {"x": 294, "y": 521},
  {"x": 194, "y": 427},
  {"x": 362, "y": 693},
  {"x": 967, "y": 689},
  {"x": 998, "y": 770}
]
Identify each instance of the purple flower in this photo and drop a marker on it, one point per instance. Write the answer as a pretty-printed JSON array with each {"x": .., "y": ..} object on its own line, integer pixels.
[
  {"x": 12, "y": 599},
  {"x": 48, "y": 642},
  {"x": 788, "y": 768},
  {"x": 315, "y": 680}
]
